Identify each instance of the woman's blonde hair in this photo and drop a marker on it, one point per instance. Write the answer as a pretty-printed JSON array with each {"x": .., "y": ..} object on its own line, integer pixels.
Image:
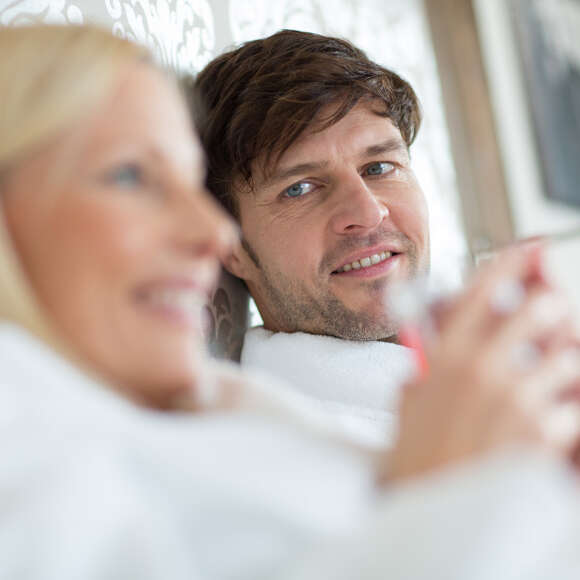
[{"x": 50, "y": 78}]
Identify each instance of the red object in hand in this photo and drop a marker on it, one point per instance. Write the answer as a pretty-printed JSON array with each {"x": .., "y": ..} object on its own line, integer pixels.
[{"x": 410, "y": 336}]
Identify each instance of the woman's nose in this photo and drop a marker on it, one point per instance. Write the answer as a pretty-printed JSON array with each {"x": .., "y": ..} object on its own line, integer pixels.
[{"x": 205, "y": 228}]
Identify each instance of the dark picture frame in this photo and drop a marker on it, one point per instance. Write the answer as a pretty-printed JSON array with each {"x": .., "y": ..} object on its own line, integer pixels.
[{"x": 547, "y": 35}]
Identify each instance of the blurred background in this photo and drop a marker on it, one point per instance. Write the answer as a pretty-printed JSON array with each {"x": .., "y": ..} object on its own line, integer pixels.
[{"x": 499, "y": 152}]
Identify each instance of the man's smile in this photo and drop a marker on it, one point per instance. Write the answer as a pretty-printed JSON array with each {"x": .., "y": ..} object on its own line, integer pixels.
[
  {"x": 371, "y": 265},
  {"x": 364, "y": 262}
]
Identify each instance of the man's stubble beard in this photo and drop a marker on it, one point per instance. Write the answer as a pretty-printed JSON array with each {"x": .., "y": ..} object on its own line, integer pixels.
[{"x": 295, "y": 310}]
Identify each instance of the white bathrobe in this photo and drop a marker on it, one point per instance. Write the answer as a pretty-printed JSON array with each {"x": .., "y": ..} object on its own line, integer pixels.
[
  {"x": 94, "y": 488},
  {"x": 356, "y": 381}
]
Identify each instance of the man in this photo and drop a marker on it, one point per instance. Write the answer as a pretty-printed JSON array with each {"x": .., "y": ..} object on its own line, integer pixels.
[
  {"x": 320, "y": 135},
  {"x": 308, "y": 147}
]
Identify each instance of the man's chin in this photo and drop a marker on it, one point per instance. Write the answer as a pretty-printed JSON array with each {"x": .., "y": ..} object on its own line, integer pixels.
[
  {"x": 370, "y": 334},
  {"x": 363, "y": 327}
]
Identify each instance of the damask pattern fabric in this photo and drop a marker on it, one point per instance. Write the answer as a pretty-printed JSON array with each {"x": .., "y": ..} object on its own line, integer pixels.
[{"x": 180, "y": 32}]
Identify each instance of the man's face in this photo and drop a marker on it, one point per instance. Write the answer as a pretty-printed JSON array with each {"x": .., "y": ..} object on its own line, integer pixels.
[{"x": 338, "y": 220}]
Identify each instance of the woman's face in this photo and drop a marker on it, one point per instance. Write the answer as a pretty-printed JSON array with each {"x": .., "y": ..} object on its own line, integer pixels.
[{"x": 119, "y": 238}]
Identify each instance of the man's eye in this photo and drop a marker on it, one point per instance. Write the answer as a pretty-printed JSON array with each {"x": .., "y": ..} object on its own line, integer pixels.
[
  {"x": 298, "y": 189},
  {"x": 126, "y": 176},
  {"x": 380, "y": 168}
]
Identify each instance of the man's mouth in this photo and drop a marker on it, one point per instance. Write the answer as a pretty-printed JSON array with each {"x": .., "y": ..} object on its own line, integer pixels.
[{"x": 365, "y": 262}]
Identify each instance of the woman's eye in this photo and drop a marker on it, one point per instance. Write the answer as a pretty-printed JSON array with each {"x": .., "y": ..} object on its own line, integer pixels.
[
  {"x": 298, "y": 189},
  {"x": 126, "y": 176},
  {"x": 380, "y": 168}
]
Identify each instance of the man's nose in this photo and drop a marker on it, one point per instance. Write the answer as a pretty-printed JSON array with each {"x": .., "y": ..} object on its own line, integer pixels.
[
  {"x": 204, "y": 228},
  {"x": 358, "y": 208}
]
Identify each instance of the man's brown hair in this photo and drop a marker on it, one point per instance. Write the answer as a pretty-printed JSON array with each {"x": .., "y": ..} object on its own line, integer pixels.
[{"x": 253, "y": 103}]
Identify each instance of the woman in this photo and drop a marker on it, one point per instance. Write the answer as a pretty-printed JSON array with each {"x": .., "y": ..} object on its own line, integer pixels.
[{"x": 127, "y": 454}]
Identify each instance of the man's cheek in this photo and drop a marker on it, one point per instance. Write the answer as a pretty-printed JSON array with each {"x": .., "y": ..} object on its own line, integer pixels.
[{"x": 413, "y": 222}]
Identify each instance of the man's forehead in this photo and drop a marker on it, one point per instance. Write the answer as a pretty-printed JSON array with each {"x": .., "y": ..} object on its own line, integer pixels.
[
  {"x": 360, "y": 133},
  {"x": 366, "y": 116}
]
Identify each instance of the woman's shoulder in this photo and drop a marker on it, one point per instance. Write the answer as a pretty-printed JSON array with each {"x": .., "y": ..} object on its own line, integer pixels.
[
  {"x": 24, "y": 356},
  {"x": 43, "y": 394}
]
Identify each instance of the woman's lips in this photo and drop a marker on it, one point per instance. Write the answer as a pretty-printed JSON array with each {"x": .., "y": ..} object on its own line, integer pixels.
[{"x": 180, "y": 302}]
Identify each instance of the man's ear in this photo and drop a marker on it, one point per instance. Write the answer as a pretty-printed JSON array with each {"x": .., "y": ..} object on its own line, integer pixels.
[{"x": 237, "y": 261}]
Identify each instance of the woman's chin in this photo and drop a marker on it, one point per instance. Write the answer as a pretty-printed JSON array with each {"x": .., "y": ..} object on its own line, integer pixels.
[
  {"x": 152, "y": 369},
  {"x": 166, "y": 388}
]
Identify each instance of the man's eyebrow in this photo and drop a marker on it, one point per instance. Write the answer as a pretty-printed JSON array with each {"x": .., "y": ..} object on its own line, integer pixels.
[
  {"x": 391, "y": 145},
  {"x": 283, "y": 173}
]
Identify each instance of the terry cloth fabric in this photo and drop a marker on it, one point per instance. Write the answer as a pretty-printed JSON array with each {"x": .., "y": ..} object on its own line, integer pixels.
[
  {"x": 357, "y": 381},
  {"x": 94, "y": 487}
]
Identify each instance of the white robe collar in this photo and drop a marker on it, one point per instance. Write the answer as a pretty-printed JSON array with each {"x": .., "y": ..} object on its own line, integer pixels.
[{"x": 359, "y": 381}]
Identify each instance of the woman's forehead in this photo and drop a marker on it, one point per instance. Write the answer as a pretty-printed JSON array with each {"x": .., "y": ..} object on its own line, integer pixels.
[
  {"x": 143, "y": 113},
  {"x": 145, "y": 106}
]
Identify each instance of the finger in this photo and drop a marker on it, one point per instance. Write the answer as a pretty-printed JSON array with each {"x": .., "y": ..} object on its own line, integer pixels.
[
  {"x": 541, "y": 316},
  {"x": 574, "y": 454},
  {"x": 561, "y": 426},
  {"x": 469, "y": 319},
  {"x": 559, "y": 338},
  {"x": 553, "y": 376}
]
